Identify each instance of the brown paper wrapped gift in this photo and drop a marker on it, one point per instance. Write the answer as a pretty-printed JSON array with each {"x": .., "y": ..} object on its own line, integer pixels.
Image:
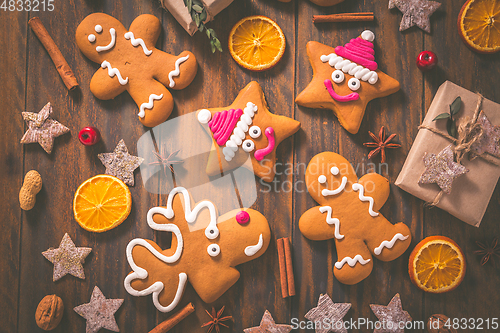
[
  {"x": 180, "y": 12},
  {"x": 471, "y": 192}
]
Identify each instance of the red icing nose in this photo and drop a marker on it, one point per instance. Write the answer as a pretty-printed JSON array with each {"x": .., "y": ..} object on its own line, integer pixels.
[{"x": 242, "y": 217}]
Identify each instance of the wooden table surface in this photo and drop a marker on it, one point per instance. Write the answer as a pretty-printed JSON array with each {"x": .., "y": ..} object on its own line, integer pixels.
[{"x": 29, "y": 81}]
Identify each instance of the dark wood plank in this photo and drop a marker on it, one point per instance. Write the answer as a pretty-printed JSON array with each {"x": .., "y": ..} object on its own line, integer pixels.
[
  {"x": 474, "y": 298},
  {"x": 399, "y": 113},
  {"x": 13, "y": 74}
]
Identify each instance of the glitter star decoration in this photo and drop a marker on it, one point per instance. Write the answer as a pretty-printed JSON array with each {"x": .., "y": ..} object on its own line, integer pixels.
[
  {"x": 267, "y": 324},
  {"x": 42, "y": 128},
  {"x": 381, "y": 144},
  {"x": 99, "y": 313},
  {"x": 217, "y": 320},
  {"x": 67, "y": 258},
  {"x": 489, "y": 142},
  {"x": 327, "y": 310},
  {"x": 392, "y": 316},
  {"x": 120, "y": 163},
  {"x": 415, "y": 12},
  {"x": 441, "y": 169}
]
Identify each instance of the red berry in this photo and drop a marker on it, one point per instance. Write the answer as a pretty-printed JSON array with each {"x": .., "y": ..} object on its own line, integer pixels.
[
  {"x": 426, "y": 60},
  {"x": 89, "y": 136}
]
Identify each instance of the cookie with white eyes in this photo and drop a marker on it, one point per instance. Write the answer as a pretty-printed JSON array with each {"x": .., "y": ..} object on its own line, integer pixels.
[
  {"x": 345, "y": 79},
  {"x": 205, "y": 249},
  {"x": 348, "y": 212},
  {"x": 130, "y": 62},
  {"x": 245, "y": 128}
]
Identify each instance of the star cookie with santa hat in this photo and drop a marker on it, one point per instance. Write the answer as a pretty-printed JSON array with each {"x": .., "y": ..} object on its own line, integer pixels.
[
  {"x": 345, "y": 79},
  {"x": 245, "y": 129}
]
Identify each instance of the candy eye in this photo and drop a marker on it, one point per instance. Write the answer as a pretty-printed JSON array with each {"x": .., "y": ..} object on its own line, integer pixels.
[
  {"x": 322, "y": 179},
  {"x": 98, "y": 29},
  {"x": 248, "y": 145},
  {"x": 354, "y": 84},
  {"x": 213, "y": 250},
  {"x": 338, "y": 76},
  {"x": 255, "y": 132},
  {"x": 91, "y": 38}
]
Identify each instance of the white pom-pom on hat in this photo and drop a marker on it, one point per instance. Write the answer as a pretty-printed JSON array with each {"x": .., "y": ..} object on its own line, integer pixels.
[{"x": 368, "y": 35}]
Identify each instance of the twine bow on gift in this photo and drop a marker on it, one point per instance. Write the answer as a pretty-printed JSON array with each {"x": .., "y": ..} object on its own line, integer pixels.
[{"x": 469, "y": 132}]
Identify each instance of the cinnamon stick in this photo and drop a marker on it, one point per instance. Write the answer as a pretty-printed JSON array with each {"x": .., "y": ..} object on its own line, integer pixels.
[
  {"x": 55, "y": 54},
  {"x": 174, "y": 319},
  {"x": 289, "y": 267},
  {"x": 281, "y": 260},
  {"x": 344, "y": 17}
]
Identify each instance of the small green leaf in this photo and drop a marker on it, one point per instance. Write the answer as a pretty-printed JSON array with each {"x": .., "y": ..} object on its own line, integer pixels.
[
  {"x": 212, "y": 32},
  {"x": 208, "y": 33},
  {"x": 193, "y": 15},
  {"x": 213, "y": 46},
  {"x": 455, "y": 106},
  {"x": 198, "y": 9},
  {"x": 451, "y": 126},
  {"x": 203, "y": 15},
  {"x": 200, "y": 28},
  {"x": 189, "y": 5},
  {"x": 217, "y": 44},
  {"x": 445, "y": 115},
  {"x": 197, "y": 19}
]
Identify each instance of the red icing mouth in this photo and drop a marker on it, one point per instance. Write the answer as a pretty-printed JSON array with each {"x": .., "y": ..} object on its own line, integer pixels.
[
  {"x": 347, "y": 98},
  {"x": 261, "y": 153}
]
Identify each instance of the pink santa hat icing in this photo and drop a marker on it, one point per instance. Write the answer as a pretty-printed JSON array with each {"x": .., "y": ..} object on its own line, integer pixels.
[{"x": 356, "y": 58}]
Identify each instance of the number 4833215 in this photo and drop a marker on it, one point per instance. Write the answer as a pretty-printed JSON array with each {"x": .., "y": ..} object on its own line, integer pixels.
[{"x": 27, "y": 5}]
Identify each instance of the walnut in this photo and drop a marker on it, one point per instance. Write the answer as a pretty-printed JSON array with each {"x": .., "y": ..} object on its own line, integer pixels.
[
  {"x": 49, "y": 312},
  {"x": 436, "y": 322}
]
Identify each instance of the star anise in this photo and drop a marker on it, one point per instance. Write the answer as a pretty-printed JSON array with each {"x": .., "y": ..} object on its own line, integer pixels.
[
  {"x": 381, "y": 144},
  {"x": 166, "y": 162},
  {"x": 216, "y": 320},
  {"x": 488, "y": 251}
]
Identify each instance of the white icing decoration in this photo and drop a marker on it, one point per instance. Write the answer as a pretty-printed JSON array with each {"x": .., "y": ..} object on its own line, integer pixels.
[
  {"x": 98, "y": 28},
  {"x": 176, "y": 71},
  {"x": 362, "y": 197},
  {"x": 114, "y": 71},
  {"x": 334, "y": 171},
  {"x": 322, "y": 179},
  {"x": 331, "y": 220},
  {"x": 91, "y": 38},
  {"x": 149, "y": 105},
  {"x": 350, "y": 68},
  {"x": 325, "y": 192},
  {"x": 368, "y": 35},
  {"x": 112, "y": 32},
  {"x": 211, "y": 232},
  {"x": 137, "y": 42},
  {"x": 253, "y": 249},
  {"x": 239, "y": 132},
  {"x": 211, "y": 252},
  {"x": 204, "y": 116},
  {"x": 351, "y": 261},
  {"x": 389, "y": 244}
]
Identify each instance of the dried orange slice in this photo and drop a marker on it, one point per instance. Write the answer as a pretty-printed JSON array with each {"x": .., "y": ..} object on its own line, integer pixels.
[
  {"x": 479, "y": 25},
  {"x": 101, "y": 203},
  {"x": 256, "y": 43},
  {"x": 437, "y": 265}
]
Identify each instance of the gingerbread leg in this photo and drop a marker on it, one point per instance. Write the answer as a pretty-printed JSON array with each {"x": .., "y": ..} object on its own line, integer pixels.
[
  {"x": 155, "y": 102},
  {"x": 390, "y": 241},
  {"x": 354, "y": 261},
  {"x": 177, "y": 72}
]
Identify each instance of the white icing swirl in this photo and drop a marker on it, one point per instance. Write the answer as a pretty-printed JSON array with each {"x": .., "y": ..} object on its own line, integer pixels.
[
  {"x": 239, "y": 131},
  {"x": 389, "y": 244},
  {"x": 114, "y": 71},
  {"x": 325, "y": 192},
  {"x": 362, "y": 197},
  {"x": 149, "y": 105},
  {"x": 331, "y": 220},
  {"x": 112, "y": 32},
  {"x": 253, "y": 249},
  {"x": 351, "y": 261},
  {"x": 137, "y": 42},
  {"x": 350, "y": 68},
  {"x": 176, "y": 71}
]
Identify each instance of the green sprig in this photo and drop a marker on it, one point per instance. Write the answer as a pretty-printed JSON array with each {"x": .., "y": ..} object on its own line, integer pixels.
[
  {"x": 199, "y": 15},
  {"x": 451, "y": 124}
]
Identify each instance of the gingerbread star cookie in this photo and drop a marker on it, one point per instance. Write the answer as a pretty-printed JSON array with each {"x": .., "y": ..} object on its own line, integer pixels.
[
  {"x": 345, "y": 79},
  {"x": 130, "y": 62},
  {"x": 246, "y": 127},
  {"x": 204, "y": 250},
  {"x": 348, "y": 212}
]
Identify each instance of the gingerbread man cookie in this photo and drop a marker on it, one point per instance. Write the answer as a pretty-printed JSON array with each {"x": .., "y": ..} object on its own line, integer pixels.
[
  {"x": 348, "y": 212},
  {"x": 245, "y": 127},
  {"x": 130, "y": 61},
  {"x": 204, "y": 251},
  {"x": 345, "y": 79}
]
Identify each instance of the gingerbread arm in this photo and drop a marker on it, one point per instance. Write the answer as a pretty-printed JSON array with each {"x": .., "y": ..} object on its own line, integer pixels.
[
  {"x": 106, "y": 87},
  {"x": 146, "y": 27},
  {"x": 318, "y": 223},
  {"x": 376, "y": 187},
  {"x": 176, "y": 72},
  {"x": 385, "y": 240}
]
